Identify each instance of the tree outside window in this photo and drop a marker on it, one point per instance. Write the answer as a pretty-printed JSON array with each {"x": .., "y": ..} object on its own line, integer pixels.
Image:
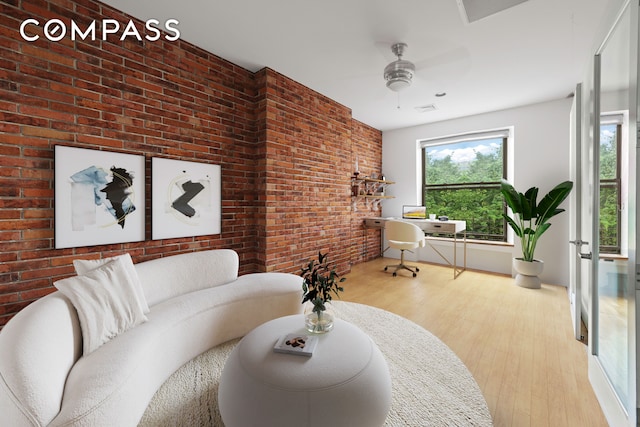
[
  {"x": 462, "y": 181},
  {"x": 610, "y": 192}
]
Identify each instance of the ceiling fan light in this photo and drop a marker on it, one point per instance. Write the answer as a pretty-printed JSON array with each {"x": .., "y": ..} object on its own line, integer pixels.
[
  {"x": 398, "y": 74},
  {"x": 398, "y": 84}
]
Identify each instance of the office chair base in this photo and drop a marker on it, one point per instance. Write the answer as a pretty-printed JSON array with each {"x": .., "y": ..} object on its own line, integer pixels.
[{"x": 402, "y": 266}]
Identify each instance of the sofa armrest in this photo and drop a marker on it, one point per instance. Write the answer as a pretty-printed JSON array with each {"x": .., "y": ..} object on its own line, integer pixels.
[{"x": 38, "y": 348}]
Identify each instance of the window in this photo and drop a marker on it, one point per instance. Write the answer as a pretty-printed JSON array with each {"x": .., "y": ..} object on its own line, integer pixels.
[
  {"x": 461, "y": 179},
  {"x": 610, "y": 183}
]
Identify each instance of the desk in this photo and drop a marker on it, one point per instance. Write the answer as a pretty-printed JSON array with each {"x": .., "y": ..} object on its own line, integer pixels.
[{"x": 430, "y": 227}]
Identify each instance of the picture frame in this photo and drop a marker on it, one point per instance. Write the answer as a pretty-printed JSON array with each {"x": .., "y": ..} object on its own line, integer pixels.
[
  {"x": 99, "y": 197},
  {"x": 185, "y": 198}
]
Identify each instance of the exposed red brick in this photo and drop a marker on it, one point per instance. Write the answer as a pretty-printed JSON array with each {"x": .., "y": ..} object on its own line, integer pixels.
[{"x": 286, "y": 151}]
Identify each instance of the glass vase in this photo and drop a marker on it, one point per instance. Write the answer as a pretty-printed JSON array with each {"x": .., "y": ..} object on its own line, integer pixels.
[{"x": 318, "y": 322}]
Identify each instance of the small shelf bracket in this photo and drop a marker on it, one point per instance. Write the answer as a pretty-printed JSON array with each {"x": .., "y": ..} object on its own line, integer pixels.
[{"x": 370, "y": 189}]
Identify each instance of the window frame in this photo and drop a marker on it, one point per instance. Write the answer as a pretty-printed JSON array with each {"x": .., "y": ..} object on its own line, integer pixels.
[
  {"x": 616, "y": 182},
  {"x": 506, "y": 135}
]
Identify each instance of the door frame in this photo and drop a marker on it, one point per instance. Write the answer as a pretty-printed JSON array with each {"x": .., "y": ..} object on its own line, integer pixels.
[{"x": 575, "y": 203}]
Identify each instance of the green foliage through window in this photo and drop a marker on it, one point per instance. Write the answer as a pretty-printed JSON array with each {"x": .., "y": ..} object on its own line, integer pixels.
[
  {"x": 610, "y": 188},
  {"x": 462, "y": 181}
]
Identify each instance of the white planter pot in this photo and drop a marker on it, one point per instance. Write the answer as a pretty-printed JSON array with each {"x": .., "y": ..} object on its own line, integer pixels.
[{"x": 528, "y": 272}]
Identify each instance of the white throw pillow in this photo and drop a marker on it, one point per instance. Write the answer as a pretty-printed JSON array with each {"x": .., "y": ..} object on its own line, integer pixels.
[
  {"x": 83, "y": 266},
  {"x": 106, "y": 301}
]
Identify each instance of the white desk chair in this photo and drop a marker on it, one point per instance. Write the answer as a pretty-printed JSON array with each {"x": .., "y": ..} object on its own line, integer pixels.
[{"x": 404, "y": 236}]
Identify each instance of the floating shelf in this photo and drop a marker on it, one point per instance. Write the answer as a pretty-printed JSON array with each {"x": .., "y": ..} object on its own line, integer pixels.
[{"x": 370, "y": 190}]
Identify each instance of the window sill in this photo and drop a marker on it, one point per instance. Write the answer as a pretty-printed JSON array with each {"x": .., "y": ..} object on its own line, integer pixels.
[{"x": 613, "y": 257}]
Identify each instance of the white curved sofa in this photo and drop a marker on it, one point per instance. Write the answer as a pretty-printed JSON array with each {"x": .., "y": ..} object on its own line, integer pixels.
[{"x": 196, "y": 301}]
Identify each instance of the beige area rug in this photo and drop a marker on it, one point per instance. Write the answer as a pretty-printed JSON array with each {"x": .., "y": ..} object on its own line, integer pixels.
[{"x": 430, "y": 384}]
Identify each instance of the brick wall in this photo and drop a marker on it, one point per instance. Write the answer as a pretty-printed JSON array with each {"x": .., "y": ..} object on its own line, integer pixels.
[
  {"x": 365, "y": 243},
  {"x": 308, "y": 146},
  {"x": 286, "y": 152}
]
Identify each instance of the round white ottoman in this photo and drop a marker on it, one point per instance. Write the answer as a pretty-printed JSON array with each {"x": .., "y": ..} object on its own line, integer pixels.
[{"x": 345, "y": 383}]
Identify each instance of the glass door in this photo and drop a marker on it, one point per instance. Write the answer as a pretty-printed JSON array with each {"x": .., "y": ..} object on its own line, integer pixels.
[{"x": 608, "y": 215}]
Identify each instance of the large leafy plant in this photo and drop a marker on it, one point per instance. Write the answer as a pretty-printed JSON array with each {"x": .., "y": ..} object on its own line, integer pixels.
[
  {"x": 531, "y": 219},
  {"x": 320, "y": 281}
]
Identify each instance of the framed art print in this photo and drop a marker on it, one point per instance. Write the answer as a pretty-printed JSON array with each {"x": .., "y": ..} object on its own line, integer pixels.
[
  {"x": 185, "y": 198},
  {"x": 99, "y": 197}
]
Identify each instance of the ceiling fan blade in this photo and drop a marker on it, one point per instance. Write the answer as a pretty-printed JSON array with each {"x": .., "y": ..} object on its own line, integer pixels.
[
  {"x": 447, "y": 67},
  {"x": 384, "y": 47},
  {"x": 459, "y": 56}
]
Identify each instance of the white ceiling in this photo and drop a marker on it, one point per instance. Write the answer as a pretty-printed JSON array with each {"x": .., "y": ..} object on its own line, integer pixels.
[{"x": 535, "y": 51}]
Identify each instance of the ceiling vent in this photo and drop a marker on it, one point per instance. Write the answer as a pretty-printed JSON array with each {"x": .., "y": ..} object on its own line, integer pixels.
[
  {"x": 426, "y": 108},
  {"x": 474, "y": 10}
]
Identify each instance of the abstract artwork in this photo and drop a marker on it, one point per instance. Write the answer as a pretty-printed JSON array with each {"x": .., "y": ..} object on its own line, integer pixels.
[
  {"x": 99, "y": 197},
  {"x": 185, "y": 198}
]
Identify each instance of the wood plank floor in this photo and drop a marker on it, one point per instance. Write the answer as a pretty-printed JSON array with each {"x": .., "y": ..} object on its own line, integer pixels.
[{"x": 518, "y": 343}]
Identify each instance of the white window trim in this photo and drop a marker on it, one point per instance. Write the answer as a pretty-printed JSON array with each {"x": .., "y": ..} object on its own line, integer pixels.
[
  {"x": 621, "y": 118},
  {"x": 501, "y": 132},
  {"x": 469, "y": 136}
]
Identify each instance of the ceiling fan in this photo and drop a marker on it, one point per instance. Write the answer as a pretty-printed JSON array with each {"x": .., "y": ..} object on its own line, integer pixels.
[{"x": 399, "y": 73}]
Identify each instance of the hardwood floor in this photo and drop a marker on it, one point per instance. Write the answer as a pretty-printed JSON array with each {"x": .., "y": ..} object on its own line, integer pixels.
[{"x": 518, "y": 343}]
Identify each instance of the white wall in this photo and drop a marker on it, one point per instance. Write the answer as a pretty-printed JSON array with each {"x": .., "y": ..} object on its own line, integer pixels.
[{"x": 541, "y": 158}]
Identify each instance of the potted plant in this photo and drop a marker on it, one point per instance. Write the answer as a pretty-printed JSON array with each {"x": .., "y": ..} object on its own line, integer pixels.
[
  {"x": 530, "y": 221},
  {"x": 320, "y": 281}
]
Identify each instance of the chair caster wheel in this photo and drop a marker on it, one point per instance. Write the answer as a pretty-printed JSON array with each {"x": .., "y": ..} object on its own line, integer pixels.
[
  {"x": 414, "y": 274},
  {"x": 385, "y": 269},
  {"x": 395, "y": 274},
  {"x": 417, "y": 269}
]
